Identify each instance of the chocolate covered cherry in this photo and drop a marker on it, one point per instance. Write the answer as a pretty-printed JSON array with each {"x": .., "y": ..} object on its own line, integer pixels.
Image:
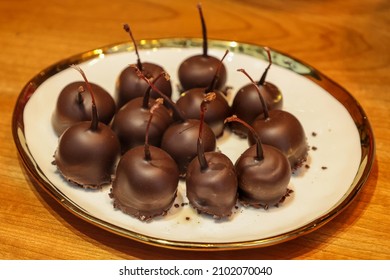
[
  {"x": 247, "y": 105},
  {"x": 283, "y": 130},
  {"x": 198, "y": 71},
  {"x": 146, "y": 180},
  {"x": 87, "y": 151},
  {"x": 130, "y": 86},
  {"x": 180, "y": 141},
  {"x": 263, "y": 174},
  {"x": 218, "y": 110},
  {"x": 190, "y": 101},
  {"x": 211, "y": 182},
  {"x": 74, "y": 105},
  {"x": 130, "y": 122}
]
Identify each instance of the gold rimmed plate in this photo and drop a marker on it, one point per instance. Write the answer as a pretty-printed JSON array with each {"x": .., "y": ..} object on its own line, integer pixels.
[{"x": 340, "y": 137}]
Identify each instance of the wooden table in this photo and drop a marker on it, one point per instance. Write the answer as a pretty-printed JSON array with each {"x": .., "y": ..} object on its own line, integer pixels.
[{"x": 346, "y": 40}]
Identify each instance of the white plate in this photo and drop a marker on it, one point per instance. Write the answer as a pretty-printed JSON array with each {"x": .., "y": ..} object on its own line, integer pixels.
[{"x": 339, "y": 165}]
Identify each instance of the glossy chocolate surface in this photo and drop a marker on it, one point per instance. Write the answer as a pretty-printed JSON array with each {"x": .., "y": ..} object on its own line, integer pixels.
[
  {"x": 217, "y": 110},
  {"x": 198, "y": 72},
  {"x": 87, "y": 157},
  {"x": 145, "y": 188},
  {"x": 130, "y": 86},
  {"x": 283, "y": 131},
  {"x": 247, "y": 105},
  {"x": 262, "y": 183},
  {"x": 213, "y": 190},
  {"x": 72, "y": 108},
  {"x": 131, "y": 120},
  {"x": 180, "y": 141}
]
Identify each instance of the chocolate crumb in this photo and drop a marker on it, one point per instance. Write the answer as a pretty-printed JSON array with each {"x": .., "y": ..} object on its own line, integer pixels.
[
  {"x": 314, "y": 134},
  {"x": 307, "y": 166},
  {"x": 314, "y": 148},
  {"x": 177, "y": 205},
  {"x": 183, "y": 204},
  {"x": 324, "y": 167},
  {"x": 187, "y": 218}
]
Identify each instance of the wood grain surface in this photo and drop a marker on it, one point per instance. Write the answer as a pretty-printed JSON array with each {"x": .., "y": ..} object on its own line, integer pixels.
[{"x": 346, "y": 40}]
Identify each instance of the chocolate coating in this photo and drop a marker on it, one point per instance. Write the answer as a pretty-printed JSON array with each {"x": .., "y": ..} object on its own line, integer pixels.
[
  {"x": 198, "y": 72},
  {"x": 217, "y": 110},
  {"x": 69, "y": 110},
  {"x": 85, "y": 157},
  {"x": 145, "y": 188},
  {"x": 283, "y": 131},
  {"x": 247, "y": 105},
  {"x": 213, "y": 190},
  {"x": 262, "y": 183},
  {"x": 180, "y": 141},
  {"x": 130, "y": 86},
  {"x": 131, "y": 120}
]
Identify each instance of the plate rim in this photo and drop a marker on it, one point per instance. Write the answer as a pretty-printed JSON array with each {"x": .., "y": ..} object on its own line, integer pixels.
[{"x": 353, "y": 107}]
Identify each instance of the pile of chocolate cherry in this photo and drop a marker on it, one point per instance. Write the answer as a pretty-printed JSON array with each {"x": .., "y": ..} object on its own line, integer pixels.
[{"x": 143, "y": 143}]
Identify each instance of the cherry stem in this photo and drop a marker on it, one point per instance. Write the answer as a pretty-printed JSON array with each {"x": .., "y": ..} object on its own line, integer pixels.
[
  {"x": 216, "y": 76},
  {"x": 126, "y": 27},
  {"x": 95, "y": 118},
  {"x": 79, "y": 98},
  {"x": 176, "y": 111},
  {"x": 204, "y": 30},
  {"x": 259, "y": 147},
  {"x": 203, "y": 108},
  {"x": 145, "y": 101},
  {"x": 154, "y": 107},
  {"x": 265, "y": 108},
  {"x": 262, "y": 79}
]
